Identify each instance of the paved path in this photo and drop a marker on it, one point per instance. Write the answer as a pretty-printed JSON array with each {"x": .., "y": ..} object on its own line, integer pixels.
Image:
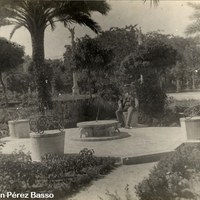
[
  {"x": 142, "y": 141},
  {"x": 116, "y": 181}
]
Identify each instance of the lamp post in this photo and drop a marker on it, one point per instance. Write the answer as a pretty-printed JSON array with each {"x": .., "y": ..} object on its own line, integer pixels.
[
  {"x": 75, "y": 89},
  {"x": 140, "y": 41},
  {"x": 193, "y": 78}
]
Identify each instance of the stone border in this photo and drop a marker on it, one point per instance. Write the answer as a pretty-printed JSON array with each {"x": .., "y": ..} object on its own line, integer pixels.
[
  {"x": 153, "y": 157},
  {"x": 95, "y": 124},
  {"x": 50, "y": 133},
  {"x": 120, "y": 135},
  {"x": 18, "y": 121}
]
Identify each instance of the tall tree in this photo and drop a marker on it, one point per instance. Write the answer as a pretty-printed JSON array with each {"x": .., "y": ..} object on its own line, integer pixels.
[
  {"x": 11, "y": 55},
  {"x": 150, "y": 60},
  {"x": 91, "y": 56},
  {"x": 37, "y": 15}
]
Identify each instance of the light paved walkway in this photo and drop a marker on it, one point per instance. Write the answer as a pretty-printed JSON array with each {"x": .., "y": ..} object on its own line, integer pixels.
[
  {"x": 116, "y": 181},
  {"x": 142, "y": 141},
  {"x": 185, "y": 95}
]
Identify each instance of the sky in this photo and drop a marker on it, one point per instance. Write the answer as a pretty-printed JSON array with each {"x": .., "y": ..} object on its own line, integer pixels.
[{"x": 171, "y": 17}]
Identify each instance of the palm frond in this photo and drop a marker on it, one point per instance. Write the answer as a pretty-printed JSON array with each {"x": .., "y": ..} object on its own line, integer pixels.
[
  {"x": 16, "y": 14},
  {"x": 195, "y": 15},
  {"x": 152, "y": 2},
  {"x": 4, "y": 22},
  {"x": 51, "y": 23},
  {"x": 195, "y": 6},
  {"x": 87, "y": 7},
  {"x": 14, "y": 29},
  {"x": 81, "y": 19},
  {"x": 194, "y": 27},
  {"x": 100, "y": 6}
]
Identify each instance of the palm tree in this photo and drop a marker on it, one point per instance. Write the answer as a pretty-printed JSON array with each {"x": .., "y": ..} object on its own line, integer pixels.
[
  {"x": 153, "y": 2},
  {"x": 36, "y": 16}
]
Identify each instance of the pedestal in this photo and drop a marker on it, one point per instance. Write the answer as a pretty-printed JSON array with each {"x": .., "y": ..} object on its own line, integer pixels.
[
  {"x": 191, "y": 128},
  {"x": 101, "y": 128},
  {"x": 48, "y": 142},
  {"x": 134, "y": 118},
  {"x": 19, "y": 128}
]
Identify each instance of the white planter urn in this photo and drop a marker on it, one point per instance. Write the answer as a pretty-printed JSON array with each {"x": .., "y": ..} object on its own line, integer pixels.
[
  {"x": 51, "y": 141},
  {"x": 19, "y": 128},
  {"x": 191, "y": 127}
]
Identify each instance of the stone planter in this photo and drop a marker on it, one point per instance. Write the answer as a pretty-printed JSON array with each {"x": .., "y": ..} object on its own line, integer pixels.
[
  {"x": 51, "y": 141},
  {"x": 19, "y": 128},
  {"x": 134, "y": 119},
  {"x": 191, "y": 128}
]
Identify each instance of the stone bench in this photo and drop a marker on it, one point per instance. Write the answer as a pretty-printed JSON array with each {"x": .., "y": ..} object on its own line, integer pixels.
[
  {"x": 134, "y": 119},
  {"x": 100, "y": 128}
]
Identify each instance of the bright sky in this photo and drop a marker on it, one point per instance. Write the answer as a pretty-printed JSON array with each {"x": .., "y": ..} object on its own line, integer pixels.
[{"x": 170, "y": 16}]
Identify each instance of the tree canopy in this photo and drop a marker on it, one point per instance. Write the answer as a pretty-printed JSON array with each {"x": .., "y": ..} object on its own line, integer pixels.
[
  {"x": 11, "y": 55},
  {"x": 91, "y": 56},
  {"x": 36, "y": 16},
  {"x": 153, "y": 55}
]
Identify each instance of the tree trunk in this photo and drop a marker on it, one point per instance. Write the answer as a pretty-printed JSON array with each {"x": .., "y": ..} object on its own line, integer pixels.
[
  {"x": 178, "y": 85},
  {"x": 89, "y": 83},
  {"x": 193, "y": 81},
  {"x": 187, "y": 84},
  {"x": 4, "y": 89},
  {"x": 43, "y": 84}
]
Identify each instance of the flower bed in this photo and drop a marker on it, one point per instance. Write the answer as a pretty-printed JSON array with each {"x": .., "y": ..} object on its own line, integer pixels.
[
  {"x": 176, "y": 177},
  {"x": 60, "y": 175}
]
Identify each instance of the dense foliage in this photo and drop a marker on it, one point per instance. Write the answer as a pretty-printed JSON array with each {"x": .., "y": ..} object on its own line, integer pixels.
[
  {"x": 175, "y": 176},
  {"x": 106, "y": 79},
  {"x": 152, "y": 98},
  {"x": 57, "y": 174},
  {"x": 150, "y": 61},
  {"x": 84, "y": 111},
  {"x": 11, "y": 55},
  {"x": 36, "y": 16},
  {"x": 93, "y": 59}
]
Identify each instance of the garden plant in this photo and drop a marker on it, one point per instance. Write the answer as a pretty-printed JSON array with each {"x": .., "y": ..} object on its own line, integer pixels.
[
  {"x": 60, "y": 175},
  {"x": 176, "y": 177}
]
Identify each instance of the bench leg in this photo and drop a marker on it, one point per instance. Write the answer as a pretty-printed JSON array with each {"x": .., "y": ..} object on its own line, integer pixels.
[
  {"x": 117, "y": 129},
  {"x": 88, "y": 132}
]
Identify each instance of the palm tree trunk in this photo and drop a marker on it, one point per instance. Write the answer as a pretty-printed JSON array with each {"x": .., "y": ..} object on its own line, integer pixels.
[
  {"x": 4, "y": 89},
  {"x": 43, "y": 84}
]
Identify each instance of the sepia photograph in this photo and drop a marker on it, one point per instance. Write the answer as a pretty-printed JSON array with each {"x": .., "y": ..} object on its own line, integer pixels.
[{"x": 100, "y": 99}]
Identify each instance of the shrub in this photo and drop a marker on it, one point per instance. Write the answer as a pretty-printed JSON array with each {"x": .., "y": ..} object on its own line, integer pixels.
[
  {"x": 115, "y": 195},
  {"x": 173, "y": 111},
  {"x": 179, "y": 106},
  {"x": 85, "y": 110},
  {"x": 151, "y": 97},
  {"x": 169, "y": 178},
  {"x": 58, "y": 174}
]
